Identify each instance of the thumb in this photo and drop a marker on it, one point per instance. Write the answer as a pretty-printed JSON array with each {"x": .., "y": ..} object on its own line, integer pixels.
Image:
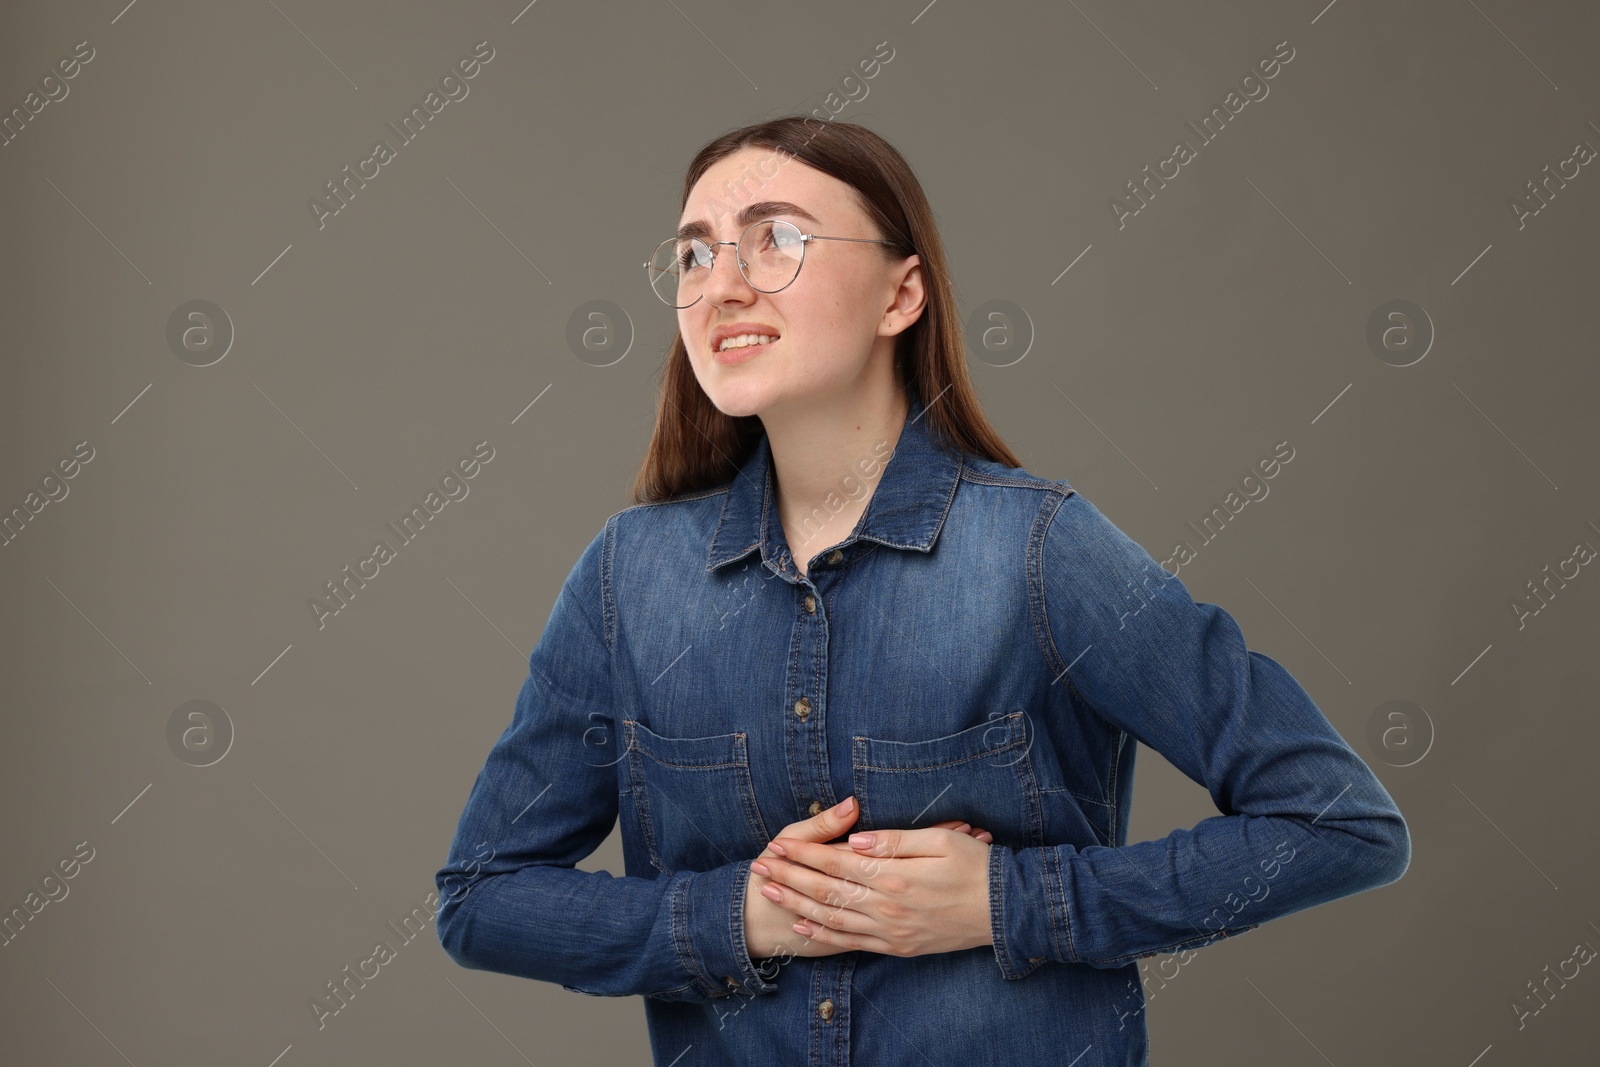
[{"x": 825, "y": 825}]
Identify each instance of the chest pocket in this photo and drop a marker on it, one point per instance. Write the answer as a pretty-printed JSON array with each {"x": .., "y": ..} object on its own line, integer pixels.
[
  {"x": 695, "y": 801},
  {"x": 981, "y": 774}
]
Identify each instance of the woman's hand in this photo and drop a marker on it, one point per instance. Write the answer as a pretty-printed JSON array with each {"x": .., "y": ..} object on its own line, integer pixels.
[
  {"x": 903, "y": 893},
  {"x": 769, "y": 925}
]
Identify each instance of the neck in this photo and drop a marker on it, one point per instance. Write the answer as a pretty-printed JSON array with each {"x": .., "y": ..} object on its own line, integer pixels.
[{"x": 828, "y": 455}]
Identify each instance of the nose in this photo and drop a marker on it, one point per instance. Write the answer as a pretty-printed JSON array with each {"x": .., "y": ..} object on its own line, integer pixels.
[{"x": 726, "y": 282}]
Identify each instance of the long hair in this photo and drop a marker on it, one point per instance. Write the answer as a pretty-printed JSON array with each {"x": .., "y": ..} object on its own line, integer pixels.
[{"x": 695, "y": 446}]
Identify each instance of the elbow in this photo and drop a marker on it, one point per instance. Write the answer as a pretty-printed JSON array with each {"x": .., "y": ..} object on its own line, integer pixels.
[
  {"x": 1386, "y": 850},
  {"x": 449, "y": 934},
  {"x": 1373, "y": 850},
  {"x": 1399, "y": 860},
  {"x": 450, "y": 925},
  {"x": 456, "y": 943}
]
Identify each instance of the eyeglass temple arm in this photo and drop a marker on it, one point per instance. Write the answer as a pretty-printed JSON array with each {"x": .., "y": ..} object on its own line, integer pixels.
[{"x": 860, "y": 240}]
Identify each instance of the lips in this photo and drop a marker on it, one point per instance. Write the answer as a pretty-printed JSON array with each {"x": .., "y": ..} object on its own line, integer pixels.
[
  {"x": 742, "y": 353},
  {"x": 739, "y": 329}
]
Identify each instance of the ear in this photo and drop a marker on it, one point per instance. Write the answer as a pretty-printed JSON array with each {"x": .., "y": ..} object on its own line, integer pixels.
[{"x": 908, "y": 299}]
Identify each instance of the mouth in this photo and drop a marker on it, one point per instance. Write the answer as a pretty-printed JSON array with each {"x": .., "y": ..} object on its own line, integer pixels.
[{"x": 738, "y": 349}]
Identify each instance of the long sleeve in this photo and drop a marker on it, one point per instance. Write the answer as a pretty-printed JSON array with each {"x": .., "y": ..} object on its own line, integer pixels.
[
  {"x": 547, "y": 796},
  {"x": 1303, "y": 819}
]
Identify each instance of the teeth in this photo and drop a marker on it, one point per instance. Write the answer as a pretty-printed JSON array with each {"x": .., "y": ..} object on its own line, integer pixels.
[{"x": 744, "y": 340}]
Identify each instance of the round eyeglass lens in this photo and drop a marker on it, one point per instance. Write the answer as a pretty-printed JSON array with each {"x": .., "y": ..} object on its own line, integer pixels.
[{"x": 770, "y": 253}]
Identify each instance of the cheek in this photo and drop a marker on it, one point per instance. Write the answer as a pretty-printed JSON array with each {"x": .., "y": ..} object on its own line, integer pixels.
[
  {"x": 693, "y": 329},
  {"x": 838, "y": 313}
]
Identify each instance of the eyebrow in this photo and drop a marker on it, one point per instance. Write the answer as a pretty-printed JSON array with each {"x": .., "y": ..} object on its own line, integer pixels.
[{"x": 756, "y": 212}]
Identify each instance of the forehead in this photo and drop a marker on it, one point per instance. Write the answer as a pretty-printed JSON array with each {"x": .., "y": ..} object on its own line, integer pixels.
[{"x": 758, "y": 182}]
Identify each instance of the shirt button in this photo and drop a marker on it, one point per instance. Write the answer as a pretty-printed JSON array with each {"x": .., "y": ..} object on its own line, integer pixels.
[
  {"x": 811, "y": 604},
  {"x": 802, "y": 708},
  {"x": 1035, "y": 959},
  {"x": 835, "y": 556},
  {"x": 825, "y": 1009},
  {"x": 815, "y": 808},
  {"x": 730, "y": 980}
]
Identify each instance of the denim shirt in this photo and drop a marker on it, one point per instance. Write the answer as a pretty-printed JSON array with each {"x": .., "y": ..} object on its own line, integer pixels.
[{"x": 984, "y": 645}]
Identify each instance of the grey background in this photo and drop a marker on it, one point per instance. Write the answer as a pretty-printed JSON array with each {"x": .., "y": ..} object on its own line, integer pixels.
[{"x": 1230, "y": 314}]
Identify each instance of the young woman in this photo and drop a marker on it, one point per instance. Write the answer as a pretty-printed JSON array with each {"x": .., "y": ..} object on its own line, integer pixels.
[{"x": 841, "y": 606}]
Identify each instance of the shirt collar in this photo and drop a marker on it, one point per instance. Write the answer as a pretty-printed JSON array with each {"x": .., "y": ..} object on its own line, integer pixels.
[{"x": 906, "y": 510}]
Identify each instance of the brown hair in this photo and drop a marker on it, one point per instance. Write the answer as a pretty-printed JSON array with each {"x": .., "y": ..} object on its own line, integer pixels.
[{"x": 695, "y": 446}]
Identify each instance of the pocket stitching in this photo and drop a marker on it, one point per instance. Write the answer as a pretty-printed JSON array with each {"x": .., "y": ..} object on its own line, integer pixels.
[
  {"x": 861, "y": 743},
  {"x": 743, "y": 781},
  {"x": 1032, "y": 805}
]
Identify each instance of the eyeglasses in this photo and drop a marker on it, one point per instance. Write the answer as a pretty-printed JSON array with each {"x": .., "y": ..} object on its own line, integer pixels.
[{"x": 769, "y": 254}]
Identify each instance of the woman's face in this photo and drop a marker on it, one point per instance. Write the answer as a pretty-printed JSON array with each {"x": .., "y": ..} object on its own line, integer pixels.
[{"x": 835, "y": 322}]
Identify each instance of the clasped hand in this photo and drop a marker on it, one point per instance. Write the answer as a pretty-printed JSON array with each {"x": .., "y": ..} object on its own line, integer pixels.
[{"x": 907, "y": 893}]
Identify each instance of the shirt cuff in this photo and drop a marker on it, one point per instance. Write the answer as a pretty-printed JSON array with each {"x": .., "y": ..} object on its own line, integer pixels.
[
  {"x": 1024, "y": 888},
  {"x": 708, "y": 925}
]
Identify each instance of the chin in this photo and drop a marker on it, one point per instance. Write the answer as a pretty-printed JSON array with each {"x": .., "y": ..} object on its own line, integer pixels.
[
  {"x": 736, "y": 408},
  {"x": 739, "y": 399}
]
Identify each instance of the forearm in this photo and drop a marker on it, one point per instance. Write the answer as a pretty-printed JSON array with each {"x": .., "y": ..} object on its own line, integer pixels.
[
  {"x": 676, "y": 937},
  {"x": 1105, "y": 906}
]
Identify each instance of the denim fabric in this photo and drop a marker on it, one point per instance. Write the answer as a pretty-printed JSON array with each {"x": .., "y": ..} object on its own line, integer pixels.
[{"x": 984, "y": 645}]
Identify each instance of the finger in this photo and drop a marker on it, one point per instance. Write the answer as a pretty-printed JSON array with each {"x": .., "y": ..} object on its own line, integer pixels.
[
  {"x": 810, "y": 857},
  {"x": 825, "y": 936},
  {"x": 830, "y": 912},
  {"x": 901, "y": 844},
  {"x": 825, "y": 825},
  {"x": 982, "y": 835},
  {"x": 823, "y": 873}
]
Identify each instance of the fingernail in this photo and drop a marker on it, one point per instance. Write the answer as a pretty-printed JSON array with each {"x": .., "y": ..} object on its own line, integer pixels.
[
  {"x": 861, "y": 840},
  {"x": 771, "y": 892},
  {"x": 844, "y": 806},
  {"x": 779, "y": 849},
  {"x": 802, "y": 928},
  {"x": 760, "y": 868},
  {"x": 963, "y": 828}
]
